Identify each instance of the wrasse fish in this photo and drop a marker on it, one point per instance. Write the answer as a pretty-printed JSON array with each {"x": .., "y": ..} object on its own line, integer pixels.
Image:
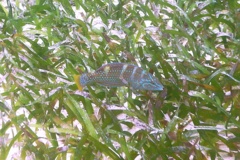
[{"x": 120, "y": 74}]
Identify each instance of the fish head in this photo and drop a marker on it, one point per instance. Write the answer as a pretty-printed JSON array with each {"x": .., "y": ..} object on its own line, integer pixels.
[{"x": 152, "y": 84}]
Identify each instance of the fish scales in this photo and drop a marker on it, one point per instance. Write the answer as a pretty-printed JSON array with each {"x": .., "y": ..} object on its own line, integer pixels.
[
  {"x": 120, "y": 74},
  {"x": 108, "y": 75},
  {"x": 114, "y": 74}
]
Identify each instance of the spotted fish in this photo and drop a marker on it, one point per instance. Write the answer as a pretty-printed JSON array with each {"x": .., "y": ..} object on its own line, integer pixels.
[{"x": 120, "y": 74}]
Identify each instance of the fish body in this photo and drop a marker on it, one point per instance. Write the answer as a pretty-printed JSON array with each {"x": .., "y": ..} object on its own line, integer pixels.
[{"x": 120, "y": 74}]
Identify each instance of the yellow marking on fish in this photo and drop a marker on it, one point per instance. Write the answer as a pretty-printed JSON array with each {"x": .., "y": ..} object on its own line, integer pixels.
[
  {"x": 106, "y": 69},
  {"x": 77, "y": 81}
]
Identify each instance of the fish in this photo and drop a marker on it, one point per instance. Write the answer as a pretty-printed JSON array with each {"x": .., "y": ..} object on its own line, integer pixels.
[{"x": 119, "y": 74}]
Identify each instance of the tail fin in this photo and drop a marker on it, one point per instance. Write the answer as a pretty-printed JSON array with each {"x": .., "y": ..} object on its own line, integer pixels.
[{"x": 77, "y": 81}]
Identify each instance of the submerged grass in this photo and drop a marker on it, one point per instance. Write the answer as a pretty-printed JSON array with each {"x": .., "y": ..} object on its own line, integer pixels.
[{"x": 192, "y": 47}]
